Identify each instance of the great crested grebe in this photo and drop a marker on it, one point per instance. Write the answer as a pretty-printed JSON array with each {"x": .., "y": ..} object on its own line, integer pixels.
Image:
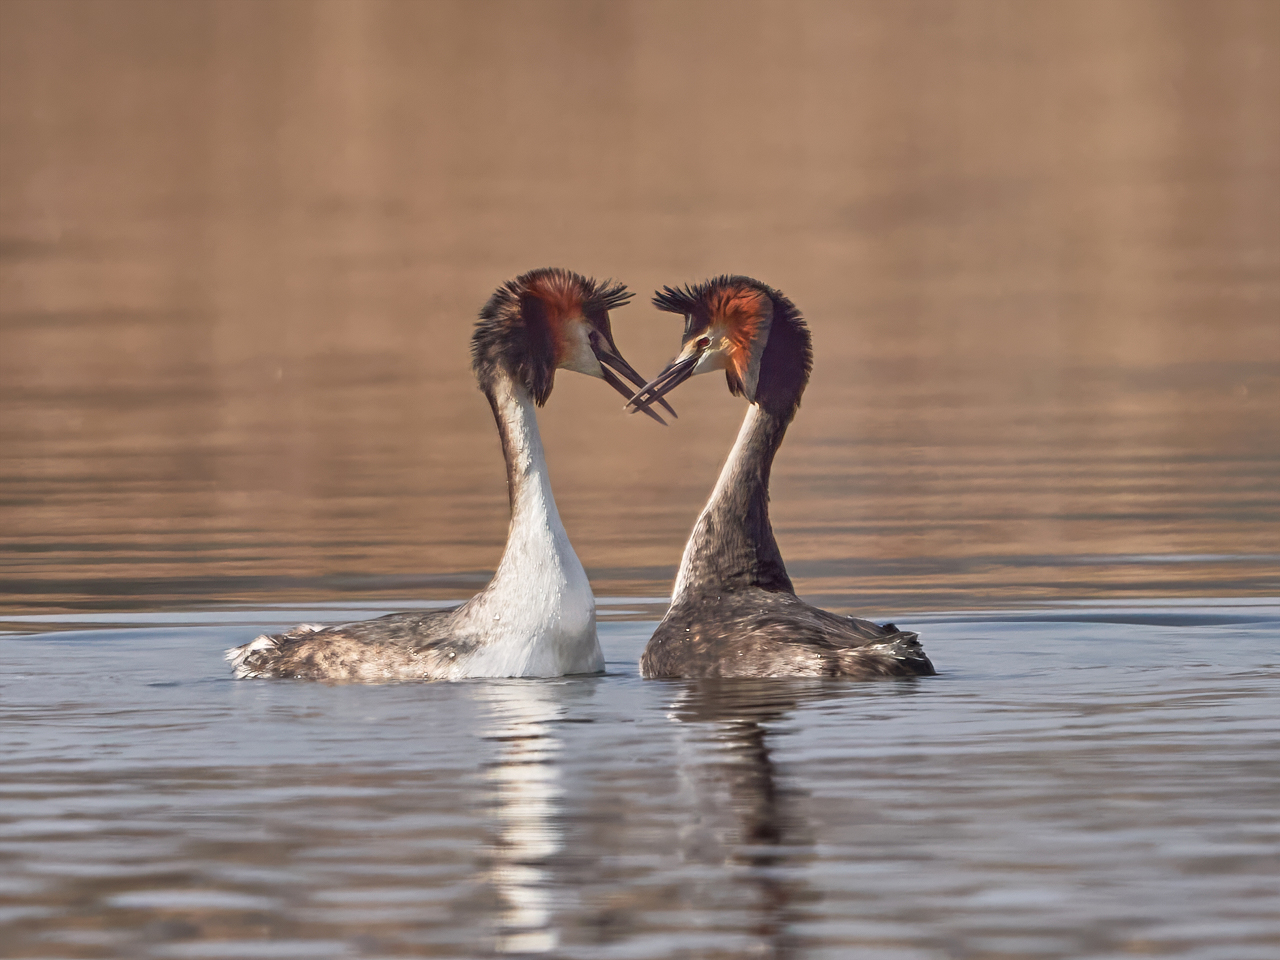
[
  {"x": 733, "y": 611},
  {"x": 537, "y": 617}
]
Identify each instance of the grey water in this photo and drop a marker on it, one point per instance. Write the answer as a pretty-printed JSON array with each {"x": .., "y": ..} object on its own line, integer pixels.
[{"x": 1080, "y": 781}]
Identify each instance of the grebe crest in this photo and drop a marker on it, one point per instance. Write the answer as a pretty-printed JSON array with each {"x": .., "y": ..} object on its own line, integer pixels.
[
  {"x": 536, "y": 617},
  {"x": 546, "y": 320},
  {"x": 746, "y": 328}
]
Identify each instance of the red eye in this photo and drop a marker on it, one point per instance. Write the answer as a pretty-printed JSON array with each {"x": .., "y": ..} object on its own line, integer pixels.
[{"x": 703, "y": 343}]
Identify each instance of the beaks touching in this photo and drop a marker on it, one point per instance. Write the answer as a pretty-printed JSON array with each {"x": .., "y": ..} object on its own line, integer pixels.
[
  {"x": 608, "y": 358},
  {"x": 675, "y": 373}
]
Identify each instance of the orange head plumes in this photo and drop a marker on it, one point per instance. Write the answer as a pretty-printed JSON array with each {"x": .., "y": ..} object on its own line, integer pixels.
[
  {"x": 739, "y": 316},
  {"x": 546, "y": 320},
  {"x": 745, "y": 328}
]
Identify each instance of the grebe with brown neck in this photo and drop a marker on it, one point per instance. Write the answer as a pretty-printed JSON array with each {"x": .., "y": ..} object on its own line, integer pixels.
[
  {"x": 733, "y": 611},
  {"x": 536, "y": 618}
]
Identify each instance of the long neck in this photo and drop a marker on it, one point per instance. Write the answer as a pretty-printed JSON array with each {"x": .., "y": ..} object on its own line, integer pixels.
[
  {"x": 535, "y": 532},
  {"x": 732, "y": 545},
  {"x": 536, "y": 617}
]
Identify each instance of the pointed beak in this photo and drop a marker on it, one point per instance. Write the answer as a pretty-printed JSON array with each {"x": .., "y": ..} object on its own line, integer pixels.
[
  {"x": 677, "y": 372},
  {"x": 609, "y": 357}
]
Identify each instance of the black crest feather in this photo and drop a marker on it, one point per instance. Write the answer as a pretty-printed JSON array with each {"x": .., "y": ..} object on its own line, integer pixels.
[
  {"x": 680, "y": 300},
  {"x": 606, "y": 295}
]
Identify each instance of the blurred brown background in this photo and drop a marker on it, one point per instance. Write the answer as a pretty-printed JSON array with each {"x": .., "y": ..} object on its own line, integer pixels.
[{"x": 242, "y": 245}]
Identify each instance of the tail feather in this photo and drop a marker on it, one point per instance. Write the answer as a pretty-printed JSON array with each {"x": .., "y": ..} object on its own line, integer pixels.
[
  {"x": 257, "y": 657},
  {"x": 899, "y": 654}
]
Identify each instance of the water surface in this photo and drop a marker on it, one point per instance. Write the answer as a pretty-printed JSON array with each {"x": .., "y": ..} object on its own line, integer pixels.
[
  {"x": 242, "y": 247},
  {"x": 1078, "y": 782}
]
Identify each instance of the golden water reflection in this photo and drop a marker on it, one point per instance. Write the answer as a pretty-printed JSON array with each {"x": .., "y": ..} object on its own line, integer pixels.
[{"x": 242, "y": 245}]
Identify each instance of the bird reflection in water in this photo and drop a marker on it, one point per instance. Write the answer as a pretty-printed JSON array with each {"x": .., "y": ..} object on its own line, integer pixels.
[
  {"x": 768, "y": 842},
  {"x": 528, "y": 793}
]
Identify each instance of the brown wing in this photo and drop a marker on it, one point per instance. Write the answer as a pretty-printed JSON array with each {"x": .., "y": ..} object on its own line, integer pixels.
[
  {"x": 756, "y": 633},
  {"x": 396, "y": 647}
]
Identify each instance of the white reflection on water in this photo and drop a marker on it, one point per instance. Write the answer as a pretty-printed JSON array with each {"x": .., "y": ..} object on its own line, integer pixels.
[{"x": 528, "y": 791}]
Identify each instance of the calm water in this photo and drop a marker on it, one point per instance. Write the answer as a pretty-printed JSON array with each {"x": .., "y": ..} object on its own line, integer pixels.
[
  {"x": 241, "y": 249},
  {"x": 1079, "y": 782}
]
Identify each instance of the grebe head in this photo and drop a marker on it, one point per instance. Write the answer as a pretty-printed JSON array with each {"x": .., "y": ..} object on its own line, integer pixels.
[
  {"x": 745, "y": 328},
  {"x": 551, "y": 319}
]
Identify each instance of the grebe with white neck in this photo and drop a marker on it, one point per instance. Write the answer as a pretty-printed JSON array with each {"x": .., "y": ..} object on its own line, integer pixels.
[
  {"x": 734, "y": 612},
  {"x": 536, "y": 618}
]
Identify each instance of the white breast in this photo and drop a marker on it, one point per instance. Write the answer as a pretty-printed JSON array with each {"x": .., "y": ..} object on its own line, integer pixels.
[{"x": 537, "y": 617}]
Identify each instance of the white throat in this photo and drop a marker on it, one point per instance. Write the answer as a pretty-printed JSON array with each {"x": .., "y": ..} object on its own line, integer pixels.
[{"x": 537, "y": 617}]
